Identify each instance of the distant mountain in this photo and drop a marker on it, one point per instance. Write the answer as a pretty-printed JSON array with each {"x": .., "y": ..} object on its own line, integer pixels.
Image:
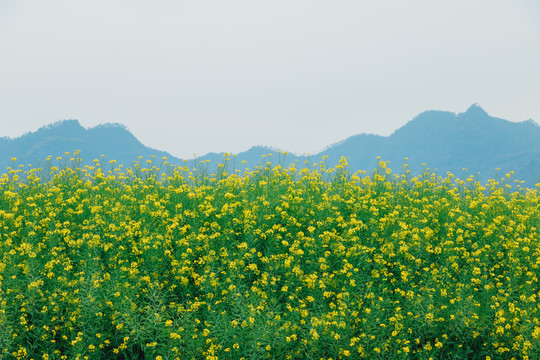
[
  {"x": 444, "y": 141},
  {"x": 450, "y": 142},
  {"x": 112, "y": 140}
]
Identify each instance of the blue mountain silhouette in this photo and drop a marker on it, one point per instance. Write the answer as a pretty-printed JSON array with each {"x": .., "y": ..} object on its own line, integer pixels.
[{"x": 445, "y": 141}]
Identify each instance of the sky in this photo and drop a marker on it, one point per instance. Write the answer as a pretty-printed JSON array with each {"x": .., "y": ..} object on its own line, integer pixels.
[{"x": 192, "y": 77}]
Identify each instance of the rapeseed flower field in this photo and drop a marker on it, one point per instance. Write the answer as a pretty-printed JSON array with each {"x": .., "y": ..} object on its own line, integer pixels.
[{"x": 313, "y": 262}]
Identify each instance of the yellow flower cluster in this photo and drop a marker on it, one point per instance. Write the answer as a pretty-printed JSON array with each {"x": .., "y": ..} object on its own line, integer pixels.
[{"x": 175, "y": 262}]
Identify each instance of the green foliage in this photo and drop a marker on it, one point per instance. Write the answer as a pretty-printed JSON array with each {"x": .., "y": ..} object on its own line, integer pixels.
[{"x": 166, "y": 262}]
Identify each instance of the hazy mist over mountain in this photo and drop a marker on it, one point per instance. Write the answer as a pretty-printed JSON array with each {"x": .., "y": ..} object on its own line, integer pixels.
[{"x": 444, "y": 141}]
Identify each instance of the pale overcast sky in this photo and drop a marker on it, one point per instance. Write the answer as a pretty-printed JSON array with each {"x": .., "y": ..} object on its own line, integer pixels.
[{"x": 199, "y": 76}]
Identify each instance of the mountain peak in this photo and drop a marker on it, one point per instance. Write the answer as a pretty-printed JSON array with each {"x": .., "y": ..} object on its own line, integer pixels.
[
  {"x": 112, "y": 125},
  {"x": 475, "y": 111},
  {"x": 69, "y": 123}
]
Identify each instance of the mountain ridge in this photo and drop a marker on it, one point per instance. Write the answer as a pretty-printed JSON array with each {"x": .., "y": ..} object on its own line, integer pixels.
[
  {"x": 443, "y": 140},
  {"x": 111, "y": 139}
]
